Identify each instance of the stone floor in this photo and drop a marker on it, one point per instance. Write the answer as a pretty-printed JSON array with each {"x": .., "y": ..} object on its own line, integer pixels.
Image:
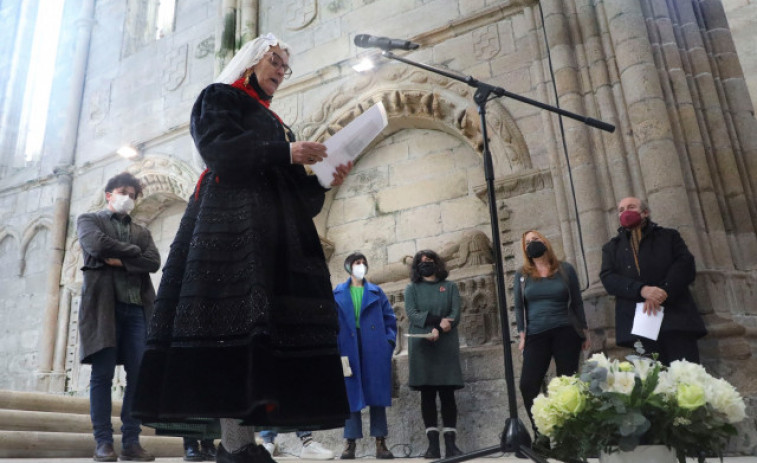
[{"x": 291, "y": 459}]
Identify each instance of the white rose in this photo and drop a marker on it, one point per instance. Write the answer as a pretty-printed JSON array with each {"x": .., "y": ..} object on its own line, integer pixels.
[
  {"x": 689, "y": 373},
  {"x": 622, "y": 382},
  {"x": 665, "y": 384},
  {"x": 725, "y": 399}
]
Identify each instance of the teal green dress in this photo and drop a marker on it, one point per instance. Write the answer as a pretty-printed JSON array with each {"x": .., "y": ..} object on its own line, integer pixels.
[{"x": 433, "y": 363}]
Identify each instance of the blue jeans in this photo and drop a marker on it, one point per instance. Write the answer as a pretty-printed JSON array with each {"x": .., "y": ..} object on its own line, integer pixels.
[
  {"x": 269, "y": 436},
  {"x": 353, "y": 426},
  {"x": 130, "y": 344}
]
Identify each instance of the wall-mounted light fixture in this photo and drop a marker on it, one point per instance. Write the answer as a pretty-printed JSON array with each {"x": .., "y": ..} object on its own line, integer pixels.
[
  {"x": 365, "y": 64},
  {"x": 128, "y": 152}
]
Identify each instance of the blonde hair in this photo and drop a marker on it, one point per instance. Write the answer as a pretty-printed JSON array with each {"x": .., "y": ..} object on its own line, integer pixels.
[{"x": 528, "y": 264}]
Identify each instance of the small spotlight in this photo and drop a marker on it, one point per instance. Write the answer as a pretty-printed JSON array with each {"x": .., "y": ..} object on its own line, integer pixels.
[
  {"x": 128, "y": 151},
  {"x": 365, "y": 65}
]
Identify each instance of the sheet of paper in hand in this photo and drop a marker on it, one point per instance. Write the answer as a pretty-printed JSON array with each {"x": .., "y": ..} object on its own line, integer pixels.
[
  {"x": 646, "y": 325},
  {"x": 345, "y": 145}
]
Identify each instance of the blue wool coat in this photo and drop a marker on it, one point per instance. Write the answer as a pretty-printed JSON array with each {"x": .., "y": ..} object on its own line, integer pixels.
[{"x": 371, "y": 380}]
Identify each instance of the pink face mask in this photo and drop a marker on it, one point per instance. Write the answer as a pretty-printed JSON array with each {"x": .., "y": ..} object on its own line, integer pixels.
[{"x": 630, "y": 219}]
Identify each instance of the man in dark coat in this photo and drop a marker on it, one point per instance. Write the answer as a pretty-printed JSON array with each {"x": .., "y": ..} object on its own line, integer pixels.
[
  {"x": 649, "y": 264},
  {"x": 117, "y": 298}
]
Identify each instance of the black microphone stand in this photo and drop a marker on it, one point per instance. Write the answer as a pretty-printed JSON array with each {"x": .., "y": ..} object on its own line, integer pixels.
[{"x": 515, "y": 437}]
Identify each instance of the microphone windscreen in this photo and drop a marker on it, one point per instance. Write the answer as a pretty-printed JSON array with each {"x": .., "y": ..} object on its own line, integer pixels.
[{"x": 361, "y": 40}]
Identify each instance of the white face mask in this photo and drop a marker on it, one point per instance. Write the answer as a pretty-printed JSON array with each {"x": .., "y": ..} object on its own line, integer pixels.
[
  {"x": 358, "y": 271},
  {"x": 121, "y": 204}
]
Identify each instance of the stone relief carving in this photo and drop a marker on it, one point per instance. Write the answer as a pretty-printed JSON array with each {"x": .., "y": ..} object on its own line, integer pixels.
[
  {"x": 175, "y": 69},
  {"x": 205, "y": 47},
  {"x": 99, "y": 103},
  {"x": 300, "y": 13},
  {"x": 13, "y": 236},
  {"x": 43, "y": 222},
  {"x": 431, "y": 100},
  {"x": 486, "y": 43}
]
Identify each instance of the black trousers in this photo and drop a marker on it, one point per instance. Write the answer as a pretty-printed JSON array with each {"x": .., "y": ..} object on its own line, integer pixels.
[
  {"x": 563, "y": 344},
  {"x": 673, "y": 345},
  {"x": 428, "y": 406}
]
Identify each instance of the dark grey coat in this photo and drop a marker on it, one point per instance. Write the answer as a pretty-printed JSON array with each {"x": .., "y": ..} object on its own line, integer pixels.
[
  {"x": 98, "y": 240},
  {"x": 665, "y": 262}
]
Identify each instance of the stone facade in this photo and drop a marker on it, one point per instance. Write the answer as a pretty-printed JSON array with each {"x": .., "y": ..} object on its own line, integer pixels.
[{"x": 665, "y": 72}]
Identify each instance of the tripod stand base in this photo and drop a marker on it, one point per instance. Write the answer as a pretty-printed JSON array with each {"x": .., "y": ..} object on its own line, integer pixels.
[{"x": 515, "y": 439}]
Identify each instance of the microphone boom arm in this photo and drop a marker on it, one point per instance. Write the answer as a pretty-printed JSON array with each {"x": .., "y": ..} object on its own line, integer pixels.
[{"x": 487, "y": 89}]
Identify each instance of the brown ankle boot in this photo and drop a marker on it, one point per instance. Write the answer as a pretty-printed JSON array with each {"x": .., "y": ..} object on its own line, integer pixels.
[
  {"x": 349, "y": 450},
  {"x": 382, "y": 452}
]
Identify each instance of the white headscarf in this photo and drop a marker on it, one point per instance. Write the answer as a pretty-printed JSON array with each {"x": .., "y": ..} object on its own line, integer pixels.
[{"x": 248, "y": 56}]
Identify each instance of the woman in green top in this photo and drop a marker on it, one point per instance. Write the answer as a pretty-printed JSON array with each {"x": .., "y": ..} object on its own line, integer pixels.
[
  {"x": 433, "y": 309},
  {"x": 550, "y": 316}
]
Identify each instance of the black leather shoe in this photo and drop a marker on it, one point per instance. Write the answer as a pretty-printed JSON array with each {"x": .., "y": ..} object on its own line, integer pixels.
[
  {"x": 135, "y": 452},
  {"x": 192, "y": 451},
  {"x": 208, "y": 450},
  {"x": 251, "y": 453},
  {"x": 105, "y": 452}
]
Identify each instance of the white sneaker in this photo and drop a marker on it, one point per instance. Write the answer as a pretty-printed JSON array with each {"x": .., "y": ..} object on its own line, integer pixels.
[
  {"x": 270, "y": 447},
  {"x": 315, "y": 451}
]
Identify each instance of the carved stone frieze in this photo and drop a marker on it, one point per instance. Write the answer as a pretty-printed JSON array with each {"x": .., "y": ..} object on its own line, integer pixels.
[
  {"x": 300, "y": 13},
  {"x": 99, "y": 103},
  {"x": 486, "y": 43},
  {"x": 205, "y": 48},
  {"x": 175, "y": 68},
  {"x": 417, "y": 98}
]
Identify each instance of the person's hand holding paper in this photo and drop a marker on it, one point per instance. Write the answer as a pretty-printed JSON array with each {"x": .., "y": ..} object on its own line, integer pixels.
[
  {"x": 347, "y": 144},
  {"x": 647, "y": 324}
]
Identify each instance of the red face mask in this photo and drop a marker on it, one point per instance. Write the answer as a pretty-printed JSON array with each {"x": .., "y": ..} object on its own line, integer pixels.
[{"x": 630, "y": 219}]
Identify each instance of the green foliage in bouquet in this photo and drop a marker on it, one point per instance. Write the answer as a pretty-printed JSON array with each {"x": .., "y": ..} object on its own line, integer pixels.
[{"x": 615, "y": 406}]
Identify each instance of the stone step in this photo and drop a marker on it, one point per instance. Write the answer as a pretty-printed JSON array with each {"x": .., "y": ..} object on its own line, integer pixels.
[
  {"x": 25, "y": 420},
  {"x": 40, "y": 444},
  {"x": 43, "y": 402}
]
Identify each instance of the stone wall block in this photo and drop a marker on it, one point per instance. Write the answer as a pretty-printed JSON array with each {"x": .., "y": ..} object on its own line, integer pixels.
[
  {"x": 632, "y": 52},
  {"x": 430, "y": 166},
  {"x": 362, "y": 234},
  {"x": 359, "y": 207},
  {"x": 729, "y": 66},
  {"x": 646, "y": 83},
  {"x": 664, "y": 27},
  {"x": 420, "y": 222},
  {"x": 672, "y": 57},
  {"x": 557, "y": 31},
  {"x": 691, "y": 35},
  {"x": 422, "y": 193},
  {"x": 713, "y": 14},
  {"x": 680, "y": 86},
  {"x": 624, "y": 25},
  {"x": 721, "y": 41},
  {"x": 462, "y": 213},
  {"x": 659, "y": 8},
  {"x": 395, "y": 252},
  {"x": 660, "y": 167}
]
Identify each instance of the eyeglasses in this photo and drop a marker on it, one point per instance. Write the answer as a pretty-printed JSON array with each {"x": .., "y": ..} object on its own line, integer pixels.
[{"x": 278, "y": 63}]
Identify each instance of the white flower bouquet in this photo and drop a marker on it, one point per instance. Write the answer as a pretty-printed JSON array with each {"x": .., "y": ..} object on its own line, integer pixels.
[{"x": 617, "y": 405}]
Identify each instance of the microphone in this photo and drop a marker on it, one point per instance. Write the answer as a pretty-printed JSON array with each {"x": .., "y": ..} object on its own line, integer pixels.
[{"x": 369, "y": 41}]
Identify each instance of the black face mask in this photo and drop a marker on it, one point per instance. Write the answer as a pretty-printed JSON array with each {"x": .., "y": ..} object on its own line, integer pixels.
[
  {"x": 426, "y": 269},
  {"x": 535, "y": 249}
]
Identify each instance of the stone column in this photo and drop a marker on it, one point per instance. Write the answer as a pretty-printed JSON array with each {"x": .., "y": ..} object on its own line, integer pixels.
[
  {"x": 658, "y": 155},
  {"x": 581, "y": 148},
  {"x": 62, "y": 204}
]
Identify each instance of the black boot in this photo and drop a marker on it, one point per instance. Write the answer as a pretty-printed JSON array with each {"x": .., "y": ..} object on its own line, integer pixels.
[
  {"x": 192, "y": 450},
  {"x": 349, "y": 450},
  {"x": 382, "y": 452},
  {"x": 450, "y": 448},
  {"x": 433, "y": 452},
  {"x": 250, "y": 453},
  {"x": 208, "y": 449}
]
